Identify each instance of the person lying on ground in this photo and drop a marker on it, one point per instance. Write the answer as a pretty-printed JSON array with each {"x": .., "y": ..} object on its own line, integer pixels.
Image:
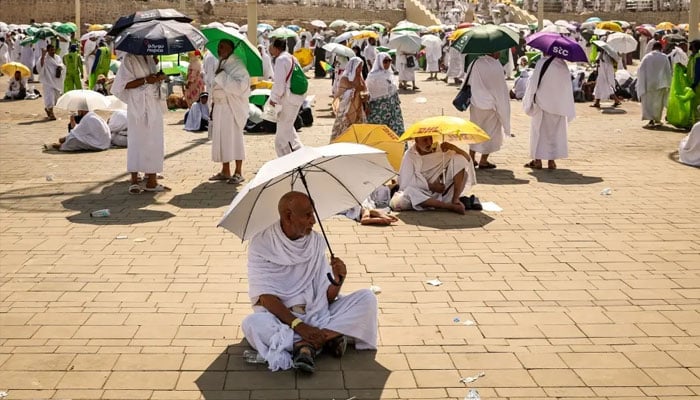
[{"x": 90, "y": 134}]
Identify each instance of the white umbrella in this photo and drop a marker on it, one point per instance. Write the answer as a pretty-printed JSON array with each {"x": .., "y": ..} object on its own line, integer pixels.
[
  {"x": 283, "y": 33},
  {"x": 230, "y": 25},
  {"x": 429, "y": 39},
  {"x": 213, "y": 25},
  {"x": 345, "y": 36},
  {"x": 114, "y": 104},
  {"x": 622, "y": 42},
  {"x": 77, "y": 100},
  {"x": 405, "y": 41},
  {"x": 92, "y": 34},
  {"x": 338, "y": 23},
  {"x": 337, "y": 177},
  {"x": 352, "y": 26},
  {"x": 555, "y": 29},
  {"x": 318, "y": 23},
  {"x": 339, "y": 49},
  {"x": 607, "y": 49}
]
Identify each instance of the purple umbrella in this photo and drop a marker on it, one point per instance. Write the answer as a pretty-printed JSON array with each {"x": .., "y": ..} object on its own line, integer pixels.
[{"x": 554, "y": 44}]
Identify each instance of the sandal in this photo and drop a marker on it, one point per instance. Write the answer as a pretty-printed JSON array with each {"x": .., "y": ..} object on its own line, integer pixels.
[
  {"x": 551, "y": 165},
  {"x": 135, "y": 189},
  {"x": 595, "y": 105},
  {"x": 488, "y": 165},
  {"x": 617, "y": 104},
  {"x": 532, "y": 164},
  {"x": 235, "y": 179},
  {"x": 336, "y": 346},
  {"x": 303, "y": 358},
  {"x": 219, "y": 177},
  {"x": 157, "y": 188}
]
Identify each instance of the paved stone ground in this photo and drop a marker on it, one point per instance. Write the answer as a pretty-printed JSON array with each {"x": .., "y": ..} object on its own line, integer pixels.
[{"x": 573, "y": 294}]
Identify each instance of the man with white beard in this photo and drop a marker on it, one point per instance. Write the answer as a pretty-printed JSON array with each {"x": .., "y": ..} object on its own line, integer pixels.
[{"x": 653, "y": 84}]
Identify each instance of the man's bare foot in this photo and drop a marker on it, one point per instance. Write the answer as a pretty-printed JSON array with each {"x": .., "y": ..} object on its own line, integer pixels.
[
  {"x": 551, "y": 164},
  {"x": 56, "y": 146}
]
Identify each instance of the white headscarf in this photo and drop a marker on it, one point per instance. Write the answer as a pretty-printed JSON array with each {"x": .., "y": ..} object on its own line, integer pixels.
[
  {"x": 351, "y": 67},
  {"x": 378, "y": 66}
]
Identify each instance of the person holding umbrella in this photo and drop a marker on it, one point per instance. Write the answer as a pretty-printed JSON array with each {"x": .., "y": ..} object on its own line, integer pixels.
[
  {"x": 230, "y": 92},
  {"x": 138, "y": 85},
  {"x": 490, "y": 107}
]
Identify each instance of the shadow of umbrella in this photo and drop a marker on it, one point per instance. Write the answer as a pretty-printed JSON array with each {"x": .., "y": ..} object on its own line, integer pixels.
[
  {"x": 498, "y": 177},
  {"x": 563, "y": 177},
  {"x": 356, "y": 374},
  {"x": 125, "y": 208},
  {"x": 445, "y": 220},
  {"x": 206, "y": 195}
]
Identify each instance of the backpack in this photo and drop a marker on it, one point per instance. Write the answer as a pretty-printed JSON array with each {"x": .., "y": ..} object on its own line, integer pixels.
[{"x": 298, "y": 83}]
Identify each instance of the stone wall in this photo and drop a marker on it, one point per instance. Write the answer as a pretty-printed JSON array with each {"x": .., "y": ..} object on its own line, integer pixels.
[
  {"x": 652, "y": 17},
  {"x": 107, "y": 11}
]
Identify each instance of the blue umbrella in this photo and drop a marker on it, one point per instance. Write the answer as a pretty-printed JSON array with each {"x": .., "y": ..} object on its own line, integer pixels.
[
  {"x": 295, "y": 28},
  {"x": 593, "y": 19},
  {"x": 160, "y": 38},
  {"x": 148, "y": 15},
  {"x": 554, "y": 44}
]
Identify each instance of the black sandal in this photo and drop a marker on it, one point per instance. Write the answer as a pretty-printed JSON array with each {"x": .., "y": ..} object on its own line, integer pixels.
[
  {"x": 336, "y": 346},
  {"x": 304, "y": 360}
]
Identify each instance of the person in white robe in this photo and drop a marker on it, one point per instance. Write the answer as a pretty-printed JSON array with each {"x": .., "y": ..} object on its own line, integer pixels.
[
  {"x": 89, "y": 54},
  {"x": 138, "y": 84},
  {"x": 297, "y": 310},
  {"x": 406, "y": 73},
  {"x": 4, "y": 50},
  {"x": 605, "y": 82},
  {"x": 433, "y": 54},
  {"x": 455, "y": 66},
  {"x": 26, "y": 57},
  {"x": 490, "y": 106},
  {"x": 551, "y": 107},
  {"x": 689, "y": 148},
  {"x": 653, "y": 85},
  {"x": 434, "y": 176},
  {"x": 643, "y": 39},
  {"x": 230, "y": 93},
  {"x": 90, "y": 134},
  {"x": 16, "y": 88},
  {"x": 286, "y": 103},
  {"x": 509, "y": 67},
  {"x": 209, "y": 65},
  {"x": 520, "y": 85},
  {"x": 118, "y": 124},
  {"x": 266, "y": 61},
  {"x": 51, "y": 74},
  {"x": 679, "y": 55},
  {"x": 370, "y": 52},
  {"x": 197, "y": 117}
]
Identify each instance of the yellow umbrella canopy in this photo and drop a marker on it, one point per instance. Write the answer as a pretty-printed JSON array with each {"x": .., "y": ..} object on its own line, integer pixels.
[
  {"x": 609, "y": 26},
  {"x": 304, "y": 56},
  {"x": 11, "y": 67},
  {"x": 667, "y": 26},
  {"x": 458, "y": 33},
  {"x": 448, "y": 128},
  {"x": 95, "y": 27},
  {"x": 365, "y": 35},
  {"x": 377, "y": 136}
]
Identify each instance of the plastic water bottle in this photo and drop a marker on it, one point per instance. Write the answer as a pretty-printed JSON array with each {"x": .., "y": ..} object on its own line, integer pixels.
[
  {"x": 100, "y": 213},
  {"x": 252, "y": 357},
  {"x": 473, "y": 394}
]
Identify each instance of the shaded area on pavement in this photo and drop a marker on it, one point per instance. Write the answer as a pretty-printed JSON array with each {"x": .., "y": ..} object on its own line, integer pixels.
[
  {"x": 563, "y": 177},
  {"x": 445, "y": 219},
  {"x": 207, "y": 195}
]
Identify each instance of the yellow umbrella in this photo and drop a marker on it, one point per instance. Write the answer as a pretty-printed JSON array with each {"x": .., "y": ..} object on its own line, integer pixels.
[
  {"x": 377, "y": 136},
  {"x": 257, "y": 83},
  {"x": 304, "y": 56},
  {"x": 11, "y": 67},
  {"x": 365, "y": 35},
  {"x": 449, "y": 128},
  {"x": 667, "y": 26},
  {"x": 609, "y": 26},
  {"x": 95, "y": 27},
  {"x": 434, "y": 28},
  {"x": 458, "y": 33}
]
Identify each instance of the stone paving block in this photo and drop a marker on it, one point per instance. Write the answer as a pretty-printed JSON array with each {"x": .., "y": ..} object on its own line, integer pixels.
[
  {"x": 83, "y": 380},
  {"x": 595, "y": 360},
  {"x": 672, "y": 376},
  {"x": 614, "y": 377},
  {"x": 486, "y": 361},
  {"x": 141, "y": 380}
]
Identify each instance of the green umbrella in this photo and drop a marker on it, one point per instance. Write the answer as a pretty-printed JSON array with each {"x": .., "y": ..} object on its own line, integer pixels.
[
  {"x": 282, "y": 33},
  {"x": 486, "y": 39},
  {"x": 383, "y": 49},
  {"x": 377, "y": 26},
  {"x": 259, "y": 96},
  {"x": 32, "y": 30},
  {"x": 44, "y": 33},
  {"x": 28, "y": 40},
  {"x": 67, "y": 28},
  {"x": 245, "y": 51}
]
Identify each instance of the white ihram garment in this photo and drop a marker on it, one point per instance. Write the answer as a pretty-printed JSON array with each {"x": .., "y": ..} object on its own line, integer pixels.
[
  {"x": 295, "y": 272},
  {"x": 146, "y": 144},
  {"x": 653, "y": 84},
  {"x": 92, "y": 133},
  {"x": 551, "y": 110},
  {"x": 53, "y": 86},
  {"x": 230, "y": 92},
  {"x": 455, "y": 64},
  {"x": 118, "y": 126},
  {"x": 605, "y": 82},
  {"x": 490, "y": 106},
  {"x": 417, "y": 171},
  {"x": 287, "y": 104},
  {"x": 689, "y": 148}
]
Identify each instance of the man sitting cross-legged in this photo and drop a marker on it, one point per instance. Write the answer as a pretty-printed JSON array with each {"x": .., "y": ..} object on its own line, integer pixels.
[
  {"x": 434, "y": 177},
  {"x": 297, "y": 307}
]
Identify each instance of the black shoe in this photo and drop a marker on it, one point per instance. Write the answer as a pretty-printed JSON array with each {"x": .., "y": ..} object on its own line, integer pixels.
[
  {"x": 471, "y": 203},
  {"x": 304, "y": 360}
]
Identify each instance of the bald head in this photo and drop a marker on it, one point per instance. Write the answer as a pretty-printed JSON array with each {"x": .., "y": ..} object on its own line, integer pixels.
[{"x": 296, "y": 215}]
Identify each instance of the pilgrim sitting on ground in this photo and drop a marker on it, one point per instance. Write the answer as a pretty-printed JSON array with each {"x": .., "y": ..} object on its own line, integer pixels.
[{"x": 90, "y": 134}]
